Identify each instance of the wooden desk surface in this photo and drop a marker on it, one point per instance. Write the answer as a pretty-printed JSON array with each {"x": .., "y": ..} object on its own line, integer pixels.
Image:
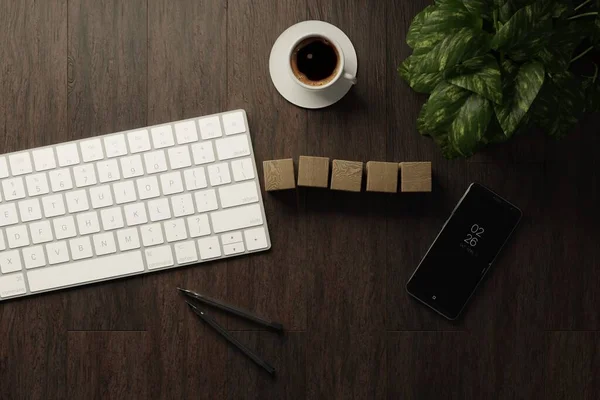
[{"x": 335, "y": 276}]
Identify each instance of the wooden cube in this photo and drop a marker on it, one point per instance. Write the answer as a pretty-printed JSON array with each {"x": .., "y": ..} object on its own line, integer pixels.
[
  {"x": 279, "y": 174},
  {"x": 346, "y": 175},
  {"x": 415, "y": 177},
  {"x": 382, "y": 177},
  {"x": 313, "y": 171}
]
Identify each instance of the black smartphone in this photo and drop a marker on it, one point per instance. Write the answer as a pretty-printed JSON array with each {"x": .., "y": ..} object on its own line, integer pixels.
[{"x": 463, "y": 251}]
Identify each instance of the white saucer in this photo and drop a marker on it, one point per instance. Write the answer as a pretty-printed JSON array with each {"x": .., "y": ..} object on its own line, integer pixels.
[{"x": 279, "y": 66}]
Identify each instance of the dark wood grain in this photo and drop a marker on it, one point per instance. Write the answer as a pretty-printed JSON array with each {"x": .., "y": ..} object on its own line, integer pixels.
[
  {"x": 335, "y": 275},
  {"x": 108, "y": 365}
]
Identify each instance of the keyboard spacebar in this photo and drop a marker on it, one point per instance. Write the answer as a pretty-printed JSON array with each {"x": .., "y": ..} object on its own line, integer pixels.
[{"x": 85, "y": 271}]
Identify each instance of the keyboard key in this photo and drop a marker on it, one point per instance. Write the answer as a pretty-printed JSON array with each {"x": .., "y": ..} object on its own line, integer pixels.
[
  {"x": 155, "y": 161},
  {"x": 186, "y": 132},
  {"x": 210, "y": 127},
  {"x": 112, "y": 218},
  {"x": 236, "y": 195},
  {"x": 132, "y": 166},
  {"x": 209, "y": 247},
  {"x": 67, "y": 155},
  {"x": 2, "y": 244},
  {"x": 203, "y": 153},
  {"x": 13, "y": 189},
  {"x": 236, "y": 218},
  {"x": 88, "y": 223},
  {"x": 34, "y": 257},
  {"x": 64, "y": 227},
  {"x": 77, "y": 201},
  {"x": 135, "y": 214},
  {"x": 162, "y": 136},
  {"x": 234, "y": 123},
  {"x": 41, "y": 232},
  {"x": 138, "y": 141},
  {"x": 198, "y": 225},
  {"x": 171, "y": 183},
  {"x": 3, "y": 168},
  {"x": 256, "y": 239},
  {"x": 8, "y": 214},
  {"x": 10, "y": 261},
  {"x": 115, "y": 146},
  {"x": 128, "y": 239},
  {"x": 175, "y": 230},
  {"x": 233, "y": 147},
  {"x": 242, "y": 169},
  {"x": 30, "y": 210},
  {"x": 91, "y": 150},
  {"x": 148, "y": 187},
  {"x": 182, "y": 205},
  {"x": 231, "y": 237},
  {"x": 233, "y": 248},
  {"x": 159, "y": 257},
  {"x": 124, "y": 192},
  {"x": 84, "y": 175},
  {"x": 101, "y": 196},
  {"x": 20, "y": 163},
  {"x": 37, "y": 184},
  {"x": 81, "y": 248},
  {"x": 195, "y": 178},
  {"x": 185, "y": 252},
  {"x": 43, "y": 159},
  {"x": 179, "y": 157},
  {"x": 53, "y": 205},
  {"x": 60, "y": 179},
  {"x": 206, "y": 200},
  {"x": 85, "y": 271},
  {"x": 151, "y": 234},
  {"x": 159, "y": 209},
  {"x": 12, "y": 285},
  {"x": 219, "y": 174},
  {"x": 57, "y": 253},
  {"x": 17, "y": 236},
  {"x": 108, "y": 171},
  {"x": 104, "y": 243}
]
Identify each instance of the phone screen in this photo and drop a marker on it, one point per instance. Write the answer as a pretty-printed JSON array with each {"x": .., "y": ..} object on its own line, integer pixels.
[{"x": 463, "y": 251}]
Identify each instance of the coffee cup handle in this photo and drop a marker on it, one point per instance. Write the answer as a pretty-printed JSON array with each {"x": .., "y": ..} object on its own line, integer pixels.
[{"x": 350, "y": 78}]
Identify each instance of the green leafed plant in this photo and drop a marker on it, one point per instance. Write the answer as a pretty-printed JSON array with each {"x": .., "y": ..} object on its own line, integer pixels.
[{"x": 494, "y": 68}]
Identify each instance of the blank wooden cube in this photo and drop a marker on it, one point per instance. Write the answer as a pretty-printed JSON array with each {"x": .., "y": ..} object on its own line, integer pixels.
[
  {"x": 346, "y": 175},
  {"x": 382, "y": 177},
  {"x": 313, "y": 171},
  {"x": 279, "y": 174},
  {"x": 415, "y": 176}
]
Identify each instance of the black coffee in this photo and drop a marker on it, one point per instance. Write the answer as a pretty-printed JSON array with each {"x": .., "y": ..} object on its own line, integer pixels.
[{"x": 315, "y": 61}]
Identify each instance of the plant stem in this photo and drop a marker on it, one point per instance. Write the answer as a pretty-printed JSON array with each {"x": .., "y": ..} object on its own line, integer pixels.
[
  {"x": 585, "y": 3},
  {"x": 583, "y": 53},
  {"x": 595, "y": 73},
  {"x": 583, "y": 15},
  {"x": 496, "y": 20}
]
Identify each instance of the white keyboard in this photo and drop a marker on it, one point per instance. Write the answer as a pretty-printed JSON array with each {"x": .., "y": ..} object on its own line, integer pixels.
[{"x": 129, "y": 203}]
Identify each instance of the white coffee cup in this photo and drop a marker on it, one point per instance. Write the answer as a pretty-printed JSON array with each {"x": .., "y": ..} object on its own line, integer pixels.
[{"x": 338, "y": 72}]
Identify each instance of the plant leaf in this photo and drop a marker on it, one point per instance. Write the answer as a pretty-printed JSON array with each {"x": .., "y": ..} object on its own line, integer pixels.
[
  {"x": 421, "y": 83},
  {"x": 560, "y": 104},
  {"x": 526, "y": 31},
  {"x": 468, "y": 129},
  {"x": 480, "y": 75},
  {"x": 556, "y": 55},
  {"x": 454, "y": 49},
  {"x": 519, "y": 94},
  {"x": 414, "y": 32},
  {"x": 441, "y": 109},
  {"x": 479, "y": 7},
  {"x": 435, "y": 23},
  {"x": 456, "y": 118}
]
